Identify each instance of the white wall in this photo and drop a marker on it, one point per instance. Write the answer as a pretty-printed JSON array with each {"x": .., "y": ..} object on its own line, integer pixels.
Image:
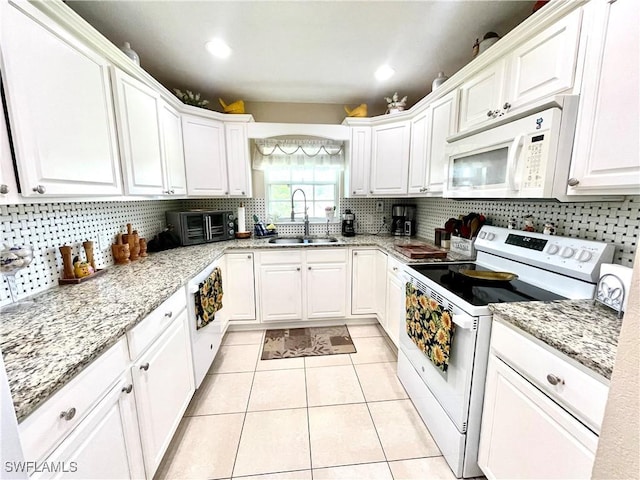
[{"x": 619, "y": 447}]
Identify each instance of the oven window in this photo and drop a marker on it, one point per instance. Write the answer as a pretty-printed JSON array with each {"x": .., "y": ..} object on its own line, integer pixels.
[
  {"x": 481, "y": 169},
  {"x": 195, "y": 227}
]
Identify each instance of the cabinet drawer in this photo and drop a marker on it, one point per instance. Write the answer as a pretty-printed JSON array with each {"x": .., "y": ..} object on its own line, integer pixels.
[
  {"x": 141, "y": 336},
  {"x": 334, "y": 255},
  {"x": 394, "y": 266},
  {"x": 582, "y": 394},
  {"x": 44, "y": 429},
  {"x": 281, "y": 257}
]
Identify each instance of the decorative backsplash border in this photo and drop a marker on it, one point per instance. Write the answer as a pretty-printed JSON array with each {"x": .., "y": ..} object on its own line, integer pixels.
[{"x": 49, "y": 225}]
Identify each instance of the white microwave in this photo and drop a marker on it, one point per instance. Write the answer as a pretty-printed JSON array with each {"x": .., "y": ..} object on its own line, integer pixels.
[{"x": 525, "y": 155}]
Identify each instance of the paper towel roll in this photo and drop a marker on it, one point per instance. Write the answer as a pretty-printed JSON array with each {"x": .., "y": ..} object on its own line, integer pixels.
[
  {"x": 623, "y": 273},
  {"x": 241, "y": 219}
]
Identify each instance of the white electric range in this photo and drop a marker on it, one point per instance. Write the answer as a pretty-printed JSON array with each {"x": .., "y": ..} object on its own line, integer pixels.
[{"x": 547, "y": 268}]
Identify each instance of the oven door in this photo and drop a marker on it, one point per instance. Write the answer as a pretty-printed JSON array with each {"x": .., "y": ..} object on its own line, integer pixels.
[{"x": 452, "y": 388}]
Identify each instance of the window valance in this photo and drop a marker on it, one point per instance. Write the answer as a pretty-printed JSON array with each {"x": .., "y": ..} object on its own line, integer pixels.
[{"x": 273, "y": 152}]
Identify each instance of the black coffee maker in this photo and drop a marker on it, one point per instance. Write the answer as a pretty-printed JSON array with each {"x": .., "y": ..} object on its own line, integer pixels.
[
  {"x": 403, "y": 220},
  {"x": 348, "y": 224}
]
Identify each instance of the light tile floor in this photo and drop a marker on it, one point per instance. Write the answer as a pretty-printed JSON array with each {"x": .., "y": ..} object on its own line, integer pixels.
[{"x": 313, "y": 418}]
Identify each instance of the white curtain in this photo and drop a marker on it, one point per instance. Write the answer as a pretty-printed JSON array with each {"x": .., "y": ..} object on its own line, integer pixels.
[{"x": 272, "y": 152}]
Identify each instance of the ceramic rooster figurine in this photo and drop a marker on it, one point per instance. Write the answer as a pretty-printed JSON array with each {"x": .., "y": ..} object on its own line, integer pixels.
[{"x": 359, "y": 111}]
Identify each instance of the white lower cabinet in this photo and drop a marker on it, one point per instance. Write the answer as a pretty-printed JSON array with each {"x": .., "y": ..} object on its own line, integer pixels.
[
  {"x": 368, "y": 282},
  {"x": 302, "y": 284},
  {"x": 239, "y": 287},
  {"x": 163, "y": 384},
  {"x": 106, "y": 444},
  {"x": 394, "y": 310},
  {"x": 527, "y": 435}
]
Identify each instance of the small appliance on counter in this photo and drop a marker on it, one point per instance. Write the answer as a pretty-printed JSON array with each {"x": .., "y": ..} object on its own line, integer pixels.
[
  {"x": 202, "y": 226},
  {"x": 348, "y": 224},
  {"x": 403, "y": 220},
  {"x": 614, "y": 287}
]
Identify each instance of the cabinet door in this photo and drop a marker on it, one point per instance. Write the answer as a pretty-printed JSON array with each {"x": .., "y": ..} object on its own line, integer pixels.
[
  {"x": 163, "y": 384},
  {"x": 204, "y": 156},
  {"x": 239, "y": 288},
  {"x": 606, "y": 152},
  {"x": 359, "y": 162},
  {"x": 8, "y": 187},
  {"x": 60, "y": 108},
  {"x": 395, "y": 308},
  {"x": 326, "y": 290},
  {"x": 381, "y": 286},
  {"x": 443, "y": 114},
  {"x": 363, "y": 292},
  {"x": 139, "y": 129},
  {"x": 390, "y": 163},
  {"x": 281, "y": 292},
  {"x": 419, "y": 152},
  {"x": 481, "y": 95},
  {"x": 238, "y": 159},
  {"x": 521, "y": 427},
  {"x": 546, "y": 64},
  {"x": 172, "y": 151},
  {"x": 106, "y": 444}
]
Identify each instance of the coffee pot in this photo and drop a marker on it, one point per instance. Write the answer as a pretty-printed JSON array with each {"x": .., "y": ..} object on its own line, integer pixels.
[{"x": 348, "y": 224}]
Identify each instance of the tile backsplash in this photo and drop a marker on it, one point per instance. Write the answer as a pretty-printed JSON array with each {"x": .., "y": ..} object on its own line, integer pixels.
[{"x": 49, "y": 225}]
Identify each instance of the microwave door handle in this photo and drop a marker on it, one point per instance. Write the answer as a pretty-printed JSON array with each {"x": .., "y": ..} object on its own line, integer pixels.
[{"x": 512, "y": 162}]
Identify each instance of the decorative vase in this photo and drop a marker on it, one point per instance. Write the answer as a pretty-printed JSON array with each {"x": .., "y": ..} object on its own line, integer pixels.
[
  {"x": 439, "y": 80},
  {"x": 130, "y": 52}
]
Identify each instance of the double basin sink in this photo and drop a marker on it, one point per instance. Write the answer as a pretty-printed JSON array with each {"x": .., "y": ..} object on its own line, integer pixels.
[{"x": 302, "y": 240}]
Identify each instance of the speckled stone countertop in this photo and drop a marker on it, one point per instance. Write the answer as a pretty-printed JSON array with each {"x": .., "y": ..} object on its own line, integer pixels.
[
  {"x": 46, "y": 345},
  {"x": 582, "y": 331}
]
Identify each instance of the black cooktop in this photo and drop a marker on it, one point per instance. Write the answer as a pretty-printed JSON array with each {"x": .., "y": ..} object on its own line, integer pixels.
[{"x": 482, "y": 292}]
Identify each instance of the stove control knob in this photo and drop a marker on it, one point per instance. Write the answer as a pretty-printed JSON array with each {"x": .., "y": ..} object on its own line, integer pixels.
[
  {"x": 482, "y": 234},
  {"x": 491, "y": 236},
  {"x": 584, "y": 256},
  {"x": 553, "y": 249},
  {"x": 568, "y": 252}
]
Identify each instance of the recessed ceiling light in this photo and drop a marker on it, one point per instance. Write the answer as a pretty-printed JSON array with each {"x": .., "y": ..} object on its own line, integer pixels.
[
  {"x": 384, "y": 72},
  {"x": 218, "y": 48}
]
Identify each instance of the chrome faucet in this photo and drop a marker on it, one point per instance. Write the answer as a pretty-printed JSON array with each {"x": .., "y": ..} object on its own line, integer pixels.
[{"x": 306, "y": 211}]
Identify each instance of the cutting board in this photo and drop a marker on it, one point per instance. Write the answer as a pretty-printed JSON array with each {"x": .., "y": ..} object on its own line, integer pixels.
[{"x": 421, "y": 251}]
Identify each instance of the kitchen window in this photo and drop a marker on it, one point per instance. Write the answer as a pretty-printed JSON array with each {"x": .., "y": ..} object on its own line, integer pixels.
[
  {"x": 311, "y": 165},
  {"x": 320, "y": 185}
]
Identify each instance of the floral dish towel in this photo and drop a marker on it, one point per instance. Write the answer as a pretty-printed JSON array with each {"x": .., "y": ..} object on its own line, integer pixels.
[
  {"x": 208, "y": 298},
  {"x": 429, "y": 326}
]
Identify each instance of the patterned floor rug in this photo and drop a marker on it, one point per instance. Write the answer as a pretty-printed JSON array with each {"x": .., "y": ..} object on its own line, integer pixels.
[{"x": 306, "y": 342}]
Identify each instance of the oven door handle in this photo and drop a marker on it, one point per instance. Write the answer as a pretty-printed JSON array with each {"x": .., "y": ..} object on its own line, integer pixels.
[
  {"x": 207, "y": 225},
  {"x": 465, "y": 321}
]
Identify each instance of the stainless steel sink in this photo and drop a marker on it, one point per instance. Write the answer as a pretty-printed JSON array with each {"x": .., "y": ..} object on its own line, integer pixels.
[{"x": 301, "y": 240}]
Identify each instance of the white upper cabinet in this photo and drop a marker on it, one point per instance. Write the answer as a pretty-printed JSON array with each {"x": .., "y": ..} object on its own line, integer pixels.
[
  {"x": 359, "y": 162},
  {"x": 390, "y": 158},
  {"x": 238, "y": 159},
  {"x": 419, "y": 152},
  {"x": 442, "y": 123},
  {"x": 172, "y": 150},
  {"x": 205, "y": 156},
  {"x": 482, "y": 95},
  {"x": 60, "y": 108},
  {"x": 606, "y": 152},
  {"x": 139, "y": 128},
  {"x": 546, "y": 64},
  {"x": 541, "y": 66}
]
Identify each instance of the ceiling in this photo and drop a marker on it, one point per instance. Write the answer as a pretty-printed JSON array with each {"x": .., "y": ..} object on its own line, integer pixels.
[{"x": 302, "y": 51}]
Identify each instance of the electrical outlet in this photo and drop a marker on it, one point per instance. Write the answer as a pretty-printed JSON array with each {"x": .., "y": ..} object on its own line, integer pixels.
[
  {"x": 103, "y": 242},
  {"x": 379, "y": 206}
]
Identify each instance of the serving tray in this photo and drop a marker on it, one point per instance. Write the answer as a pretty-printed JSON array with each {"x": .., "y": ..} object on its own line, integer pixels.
[{"x": 421, "y": 251}]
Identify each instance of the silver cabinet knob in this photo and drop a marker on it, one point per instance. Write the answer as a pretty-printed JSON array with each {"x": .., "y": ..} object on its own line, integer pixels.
[
  {"x": 553, "y": 380},
  {"x": 298, "y": 269},
  {"x": 39, "y": 189},
  {"x": 249, "y": 257},
  {"x": 68, "y": 414},
  {"x": 506, "y": 106},
  {"x": 211, "y": 346},
  {"x": 128, "y": 388},
  {"x": 4, "y": 189},
  {"x": 354, "y": 192},
  {"x": 309, "y": 268},
  {"x": 490, "y": 113},
  {"x": 395, "y": 269},
  {"x": 355, "y": 253},
  {"x": 573, "y": 182},
  {"x": 144, "y": 366},
  {"x": 242, "y": 193},
  {"x": 172, "y": 191},
  {"x": 226, "y": 193},
  {"x": 169, "y": 314},
  {"x": 370, "y": 191}
]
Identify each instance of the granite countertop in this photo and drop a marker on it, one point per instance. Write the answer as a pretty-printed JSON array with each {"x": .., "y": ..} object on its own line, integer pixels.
[
  {"x": 46, "y": 345},
  {"x": 584, "y": 332}
]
